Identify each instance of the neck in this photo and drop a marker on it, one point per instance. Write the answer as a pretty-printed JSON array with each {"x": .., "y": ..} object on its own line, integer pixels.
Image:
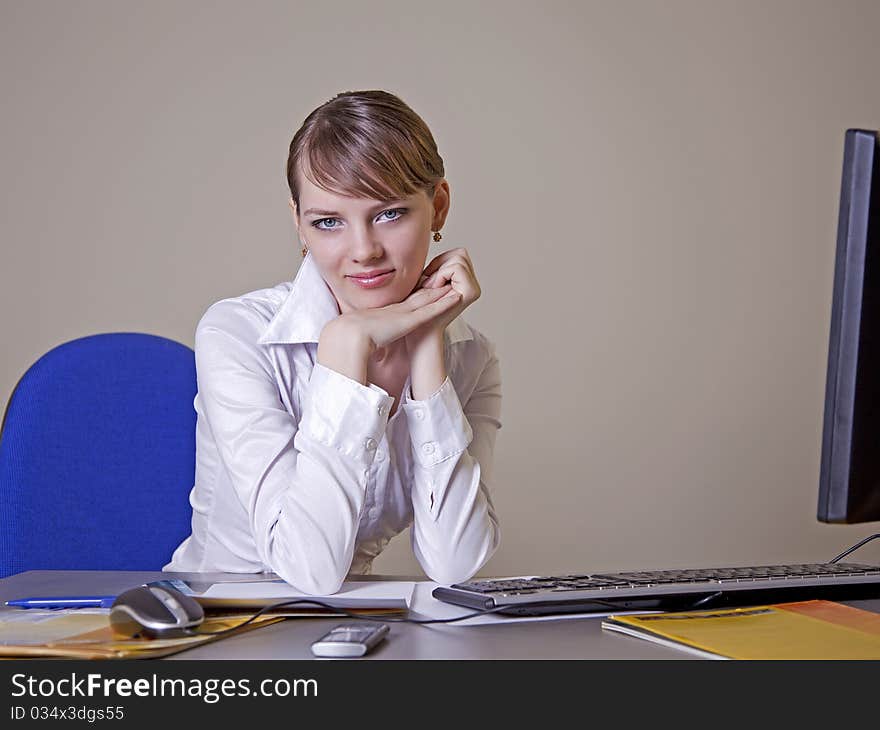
[{"x": 388, "y": 353}]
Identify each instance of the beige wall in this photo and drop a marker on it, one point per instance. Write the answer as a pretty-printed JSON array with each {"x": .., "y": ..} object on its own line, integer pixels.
[{"x": 648, "y": 191}]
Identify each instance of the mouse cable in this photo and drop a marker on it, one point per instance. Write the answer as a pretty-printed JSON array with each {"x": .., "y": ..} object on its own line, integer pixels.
[{"x": 314, "y": 602}]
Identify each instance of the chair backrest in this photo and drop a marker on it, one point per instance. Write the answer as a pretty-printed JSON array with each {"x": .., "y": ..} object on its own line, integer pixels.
[{"x": 97, "y": 456}]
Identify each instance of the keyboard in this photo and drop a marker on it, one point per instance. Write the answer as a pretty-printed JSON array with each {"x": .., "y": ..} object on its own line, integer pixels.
[{"x": 666, "y": 590}]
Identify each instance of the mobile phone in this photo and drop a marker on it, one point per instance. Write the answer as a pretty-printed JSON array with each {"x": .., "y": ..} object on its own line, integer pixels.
[{"x": 348, "y": 640}]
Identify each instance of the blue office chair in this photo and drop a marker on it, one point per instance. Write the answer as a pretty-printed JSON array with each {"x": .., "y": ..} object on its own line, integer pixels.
[{"x": 97, "y": 456}]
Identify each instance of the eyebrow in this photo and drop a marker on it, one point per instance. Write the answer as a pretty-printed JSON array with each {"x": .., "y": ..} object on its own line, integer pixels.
[{"x": 319, "y": 211}]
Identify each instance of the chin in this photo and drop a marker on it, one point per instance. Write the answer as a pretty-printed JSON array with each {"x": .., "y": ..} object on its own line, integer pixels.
[
  {"x": 383, "y": 299},
  {"x": 391, "y": 294}
]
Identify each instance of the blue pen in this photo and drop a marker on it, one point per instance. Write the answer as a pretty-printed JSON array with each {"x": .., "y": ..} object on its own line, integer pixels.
[{"x": 63, "y": 602}]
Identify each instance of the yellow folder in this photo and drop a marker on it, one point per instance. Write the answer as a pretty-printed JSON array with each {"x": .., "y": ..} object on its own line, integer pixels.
[
  {"x": 803, "y": 630},
  {"x": 89, "y": 636}
]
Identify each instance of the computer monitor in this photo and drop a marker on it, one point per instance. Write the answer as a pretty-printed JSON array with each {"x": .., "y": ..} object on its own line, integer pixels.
[{"x": 849, "y": 480}]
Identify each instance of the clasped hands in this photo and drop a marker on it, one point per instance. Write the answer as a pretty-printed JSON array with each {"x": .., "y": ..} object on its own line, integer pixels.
[{"x": 448, "y": 285}]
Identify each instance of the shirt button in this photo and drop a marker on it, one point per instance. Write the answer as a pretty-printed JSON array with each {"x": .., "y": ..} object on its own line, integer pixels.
[
  {"x": 428, "y": 448},
  {"x": 419, "y": 413},
  {"x": 383, "y": 410},
  {"x": 370, "y": 444}
]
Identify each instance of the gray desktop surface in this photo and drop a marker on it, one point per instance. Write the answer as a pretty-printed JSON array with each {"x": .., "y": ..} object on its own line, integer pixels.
[{"x": 564, "y": 638}]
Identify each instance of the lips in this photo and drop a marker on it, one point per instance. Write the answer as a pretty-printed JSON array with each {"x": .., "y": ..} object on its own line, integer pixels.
[
  {"x": 370, "y": 274},
  {"x": 372, "y": 279}
]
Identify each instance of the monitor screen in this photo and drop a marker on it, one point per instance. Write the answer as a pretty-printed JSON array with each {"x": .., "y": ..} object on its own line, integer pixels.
[{"x": 849, "y": 479}]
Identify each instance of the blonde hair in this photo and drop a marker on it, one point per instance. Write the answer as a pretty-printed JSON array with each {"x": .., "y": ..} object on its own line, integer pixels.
[{"x": 367, "y": 144}]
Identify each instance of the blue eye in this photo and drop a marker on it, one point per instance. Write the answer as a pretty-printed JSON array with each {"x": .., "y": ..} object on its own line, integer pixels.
[
  {"x": 401, "y": 211},
  {"x": 394, "y": 210}
]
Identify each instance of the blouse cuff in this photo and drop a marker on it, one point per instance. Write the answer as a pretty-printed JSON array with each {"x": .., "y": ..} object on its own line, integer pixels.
[
  {"x": 438, "y": 427},
  {"x": 345, "y": 414}
]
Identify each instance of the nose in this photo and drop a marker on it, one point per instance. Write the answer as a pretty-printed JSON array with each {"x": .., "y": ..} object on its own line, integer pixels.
[{"x": 366, "y": 246}]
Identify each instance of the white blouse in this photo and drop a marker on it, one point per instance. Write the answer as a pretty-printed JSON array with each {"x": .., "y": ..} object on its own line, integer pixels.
[{"x": 299, "y": 469}]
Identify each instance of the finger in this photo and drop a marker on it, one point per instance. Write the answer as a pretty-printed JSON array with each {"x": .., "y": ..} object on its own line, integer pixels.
[
  {"x": 460, "y": 254},
  {"x": 461, "y": 279},
  {"x": 420, "y": 297},
  {"x": 441, "y": 275},
  {"x": 435, "y": 263},
  {"x": 433, "y": 309},
  {"x": 456, "y": 271},
  {"x": 457, "y": 256},
  {"x": 463, "y": 254},
  {"x": 445, "y": 257}
]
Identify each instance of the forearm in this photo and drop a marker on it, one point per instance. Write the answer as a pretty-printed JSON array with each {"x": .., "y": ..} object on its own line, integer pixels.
[
  {"x": 455, "y": 529},
  {"x": 344, "y": 350},
  {"x": 309, "y": 526},
  {"x": 301, "y": 481},
  {"x": 427, "y": 365}
]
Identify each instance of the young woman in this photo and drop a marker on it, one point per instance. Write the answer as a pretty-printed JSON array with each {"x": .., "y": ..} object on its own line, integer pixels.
[{"x": 339, "y": 409}]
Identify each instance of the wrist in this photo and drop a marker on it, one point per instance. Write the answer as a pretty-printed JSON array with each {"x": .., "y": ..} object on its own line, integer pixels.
[
  {"x": 344, "y": 349},
  {"x": 427, "y": 365},
  {"x": 431, "y": 338}
]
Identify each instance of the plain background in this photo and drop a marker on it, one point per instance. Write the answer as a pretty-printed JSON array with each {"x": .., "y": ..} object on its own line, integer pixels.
[{"x": 648, "y": 191}]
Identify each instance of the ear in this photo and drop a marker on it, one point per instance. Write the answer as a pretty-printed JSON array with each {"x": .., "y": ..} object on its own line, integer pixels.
[
  {"x": 295, "y": 213},
  {"x": 441, "y": 204}
]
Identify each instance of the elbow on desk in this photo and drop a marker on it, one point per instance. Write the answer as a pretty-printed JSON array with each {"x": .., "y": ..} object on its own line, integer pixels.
[
  {"x": 314, "y": 562},
  {"x": 459, "y": 566},
  {"x": 312, "y": 582},
  {"x": 448, "y": 577},
  {"x": 314, "y": 573},
  {"x": 453, "y": 572}
]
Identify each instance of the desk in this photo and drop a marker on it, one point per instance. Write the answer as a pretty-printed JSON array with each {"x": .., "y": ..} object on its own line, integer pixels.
[{"x": 571, "y": 638}]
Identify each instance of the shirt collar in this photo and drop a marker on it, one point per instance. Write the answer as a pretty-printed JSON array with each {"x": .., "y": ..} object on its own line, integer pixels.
[{"x": 310, "y": 305}]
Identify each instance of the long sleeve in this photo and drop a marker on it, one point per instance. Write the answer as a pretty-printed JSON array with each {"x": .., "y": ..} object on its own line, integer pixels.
[
  {"x": 455, "y": 528},
  {"x": 301, "y": 484}
]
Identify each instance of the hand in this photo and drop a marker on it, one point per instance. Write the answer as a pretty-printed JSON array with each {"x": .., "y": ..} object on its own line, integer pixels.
[
  {"x": 383, "y": 325},
  {"x": 453, "y": 267},
  {"x": 346, "y": 342}
]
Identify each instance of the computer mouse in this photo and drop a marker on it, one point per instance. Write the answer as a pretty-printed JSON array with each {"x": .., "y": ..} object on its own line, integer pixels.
[{"x": 155, "y": 611}]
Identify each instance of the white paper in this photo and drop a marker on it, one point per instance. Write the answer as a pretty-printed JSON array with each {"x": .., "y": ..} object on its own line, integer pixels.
[{"x": 353, "y": 594}]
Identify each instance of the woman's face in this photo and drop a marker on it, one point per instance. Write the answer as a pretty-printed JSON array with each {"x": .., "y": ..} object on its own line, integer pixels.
[{"x": 350, "y": 237}]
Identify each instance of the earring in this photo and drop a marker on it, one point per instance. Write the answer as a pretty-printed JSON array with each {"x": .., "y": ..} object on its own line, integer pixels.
[
  {"x": 304, "y": 251},
  {"x": 437, "y": 236}
]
